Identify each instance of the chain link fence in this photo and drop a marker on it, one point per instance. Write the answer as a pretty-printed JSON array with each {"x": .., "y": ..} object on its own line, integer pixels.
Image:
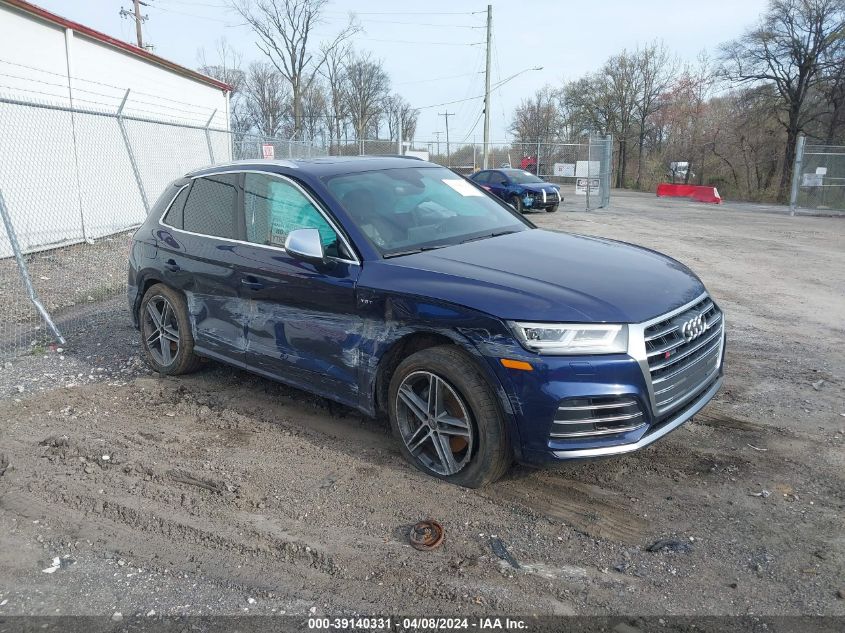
[
  {"x": 818, "y": 180},
  {"x": 74, "y": 185}
]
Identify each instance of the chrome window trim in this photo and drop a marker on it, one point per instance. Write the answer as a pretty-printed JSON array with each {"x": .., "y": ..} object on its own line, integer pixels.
[
  {"x": 170, "y": 204},
  {"x": 637, "y": 350},
  {"x": 281, "y": 249}
]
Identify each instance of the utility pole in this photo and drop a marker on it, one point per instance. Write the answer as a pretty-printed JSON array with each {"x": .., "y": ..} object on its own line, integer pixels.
[
  {"x": 139, "y": 19},
  {"x": 487, "y": 86},
  {"x": 437, "y": 134},
  {"x": 447, "y": 114}
]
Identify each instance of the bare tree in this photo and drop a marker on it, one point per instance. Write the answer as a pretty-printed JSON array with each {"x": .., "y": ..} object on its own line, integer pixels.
[
  {"x": 333, "y": 72},
  {"x": 285, "y": 29},
  {"x": 368, "y": 84},
  {"x": 267, "y": 98},
  {"x": 796, "y": 43},
  {"x": 538, "y": 119},
  {"x": 401, "y": 118},
  {"x": 227, "y": 68},
  {"x": 656, "y": 73},
  {"x": 313, "y": 111}
]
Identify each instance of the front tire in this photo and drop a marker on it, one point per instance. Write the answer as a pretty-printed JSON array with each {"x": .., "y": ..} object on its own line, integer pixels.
[
  {"x": 516, "y": 203},
  {"x": 552, "y": 209},
  {"x": 166, "y": 336},
  {"x": 448, "y": 418}
]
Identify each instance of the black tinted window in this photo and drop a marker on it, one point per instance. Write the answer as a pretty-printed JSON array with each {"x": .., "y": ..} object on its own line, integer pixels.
[
  {"x": 482, "y": 177},
  {"x": 212, "y": 206},
  {"x": 174, "y": 214}
]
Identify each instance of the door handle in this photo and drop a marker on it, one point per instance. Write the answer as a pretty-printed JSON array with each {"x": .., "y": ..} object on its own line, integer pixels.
[
  {"x": 252, "y": 282},
  {"x": 171, "y": 265}
]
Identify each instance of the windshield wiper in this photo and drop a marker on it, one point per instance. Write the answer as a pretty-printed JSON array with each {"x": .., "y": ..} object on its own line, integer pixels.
[
  {"x": 489, "y": 235},
  {"x": 411, "y": 251}
]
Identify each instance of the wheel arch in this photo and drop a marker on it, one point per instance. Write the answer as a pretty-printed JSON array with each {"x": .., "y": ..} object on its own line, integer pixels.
[
  {"x": 147, "y": 280},
  {"x": 418, "y": 340}
]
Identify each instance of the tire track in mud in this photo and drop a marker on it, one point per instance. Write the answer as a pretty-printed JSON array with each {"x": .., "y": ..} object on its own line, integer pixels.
[{"x": 598, "y": 512}]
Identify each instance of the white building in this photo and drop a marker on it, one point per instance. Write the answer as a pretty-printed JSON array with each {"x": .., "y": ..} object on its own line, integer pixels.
[{"x": 70, "y": 169}]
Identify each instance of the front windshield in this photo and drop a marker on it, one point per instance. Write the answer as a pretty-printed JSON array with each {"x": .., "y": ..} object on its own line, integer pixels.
[
  {"x": 415, "y": 208},
  {"x": 522, "y": 177}
]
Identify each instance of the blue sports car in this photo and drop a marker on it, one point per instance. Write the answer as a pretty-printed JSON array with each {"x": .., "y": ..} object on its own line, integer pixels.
[{"x": 521, "y": 189}]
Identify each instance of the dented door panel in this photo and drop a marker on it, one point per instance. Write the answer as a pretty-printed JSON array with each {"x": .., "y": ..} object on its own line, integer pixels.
[
  {"x": 204, "y": 269},
  {"x": 303, "y": 328}
]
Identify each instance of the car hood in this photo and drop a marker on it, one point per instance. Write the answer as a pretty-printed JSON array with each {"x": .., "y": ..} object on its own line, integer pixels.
[
  {"x": 544, "y": 276},
  {"x": 538, "y": 186}
]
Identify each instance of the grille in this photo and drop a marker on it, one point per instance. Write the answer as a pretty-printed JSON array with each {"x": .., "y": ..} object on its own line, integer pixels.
[
  {"x": 551, "y": 197},
  {"x": 598, "y": 415},
  {"x": 682, "y": 362}
]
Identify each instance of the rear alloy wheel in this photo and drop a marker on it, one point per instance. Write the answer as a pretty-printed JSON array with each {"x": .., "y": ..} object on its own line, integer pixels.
[
  {"x": 516, "y": 203},
  {"x": 166, "y": 332},
  {"x": 448, "y": 418}
]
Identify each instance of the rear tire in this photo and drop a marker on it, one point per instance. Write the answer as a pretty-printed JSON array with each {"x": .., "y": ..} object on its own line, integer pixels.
[
  {"x": 516, "y": 203},
  {"x": 166, "y": 336},
  {"x": 448, "y": 419}
]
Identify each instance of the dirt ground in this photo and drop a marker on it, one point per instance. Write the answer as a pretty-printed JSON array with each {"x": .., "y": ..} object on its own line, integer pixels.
[{"x": 224, "y": 493}]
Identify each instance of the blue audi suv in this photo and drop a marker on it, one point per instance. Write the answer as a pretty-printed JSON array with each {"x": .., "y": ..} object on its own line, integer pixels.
[{"x": 399, "y": 288}]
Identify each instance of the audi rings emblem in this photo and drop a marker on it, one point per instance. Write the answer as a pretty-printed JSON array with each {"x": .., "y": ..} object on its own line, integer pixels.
[{"x": 694, "y": 328}]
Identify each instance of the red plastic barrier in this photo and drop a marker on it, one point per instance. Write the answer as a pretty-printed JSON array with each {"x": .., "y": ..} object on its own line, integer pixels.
[{"x": 696, "y": 192}]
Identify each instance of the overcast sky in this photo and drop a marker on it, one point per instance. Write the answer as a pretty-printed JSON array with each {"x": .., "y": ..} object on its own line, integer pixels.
[{"x": 432, "y": 49}]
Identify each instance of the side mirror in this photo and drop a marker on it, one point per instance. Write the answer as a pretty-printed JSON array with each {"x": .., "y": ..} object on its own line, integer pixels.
[{"x": 306, "y": 245}]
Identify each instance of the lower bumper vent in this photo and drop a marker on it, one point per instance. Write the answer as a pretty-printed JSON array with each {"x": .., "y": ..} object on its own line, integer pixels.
[{"x": 599, "y": 415}]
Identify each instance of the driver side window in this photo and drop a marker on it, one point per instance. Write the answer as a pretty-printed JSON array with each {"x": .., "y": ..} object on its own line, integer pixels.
[{"x": 273, "y": 208}]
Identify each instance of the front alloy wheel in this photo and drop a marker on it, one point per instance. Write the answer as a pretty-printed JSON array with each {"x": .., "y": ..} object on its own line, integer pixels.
[
  {"x": 434, "y": 423},
  {"x": 448, "y": 417}
]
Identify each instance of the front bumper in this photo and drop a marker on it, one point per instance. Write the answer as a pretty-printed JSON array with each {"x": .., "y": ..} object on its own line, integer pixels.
[
  {"x": 545, "y": 432},
  {"x": 652, "y": 434}
]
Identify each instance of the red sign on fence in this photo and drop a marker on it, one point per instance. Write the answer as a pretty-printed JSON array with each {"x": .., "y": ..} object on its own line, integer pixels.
[{"x": 268, "y": 151}]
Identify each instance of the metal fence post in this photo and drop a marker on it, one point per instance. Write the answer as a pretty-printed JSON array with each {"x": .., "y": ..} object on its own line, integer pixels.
[
  {"x": 22, "y": 269},
  {"x": 589, "y": 160},
  {"x": 208, "y": 136},
  {"x": 608, "y": 168},
  {"x": 796, "y": 173},
  {"x": 131, "y": 154}
]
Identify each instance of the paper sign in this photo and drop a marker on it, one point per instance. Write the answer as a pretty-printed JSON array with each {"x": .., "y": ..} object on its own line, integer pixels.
[
  {"x": 268, "y": 151},
  {"x": 462, "y": 187},
  {"x": 564, "y": 170}
]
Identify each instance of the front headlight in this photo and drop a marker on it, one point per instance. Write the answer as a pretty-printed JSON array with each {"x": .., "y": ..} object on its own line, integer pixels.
[{"x": 572, "y": 338}]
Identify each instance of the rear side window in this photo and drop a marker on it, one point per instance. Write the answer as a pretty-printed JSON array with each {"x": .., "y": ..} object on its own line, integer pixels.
[
  {"x": 211, "y": 208},
  {"x": 174, "y": 215},
  {"x": 482, "y": 178}
]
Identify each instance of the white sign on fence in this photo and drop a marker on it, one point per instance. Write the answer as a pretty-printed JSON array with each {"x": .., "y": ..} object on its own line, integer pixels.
[
  {"x": 421, "y": 154},
  {"x": 821, "y": 171},
  {"x": 268, "y": 151},
  {"x": 581, "y": 185},
  {"x": 582, "y": 167},
  {"x": 564, "y": 170},
  {"x": 812, "y": 180}
]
